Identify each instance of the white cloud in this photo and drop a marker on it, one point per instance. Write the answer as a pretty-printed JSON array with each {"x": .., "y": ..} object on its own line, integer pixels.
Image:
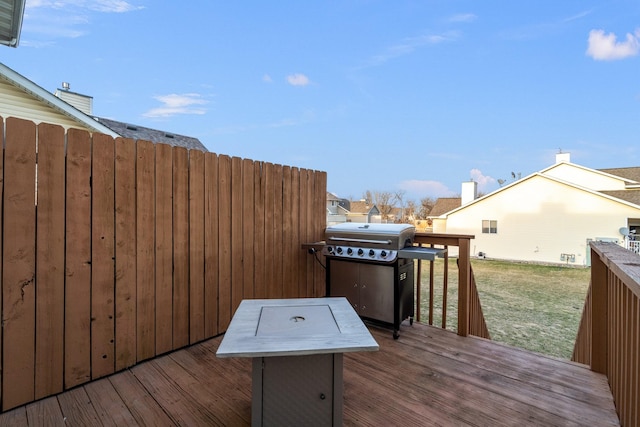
[
  {"x": 606, "y": 47},
  {"x": 298, "y": 79},
  {"x": 463, "y": 17},
  {"x": 173, "y": 104},
  {"x": 267, "y": 78},
  {"x": 115, "y": 6},
  {"x": 410, "y": 45},
  {"x": 64, "y": 18},
  {"x": 484, "y": 182}
]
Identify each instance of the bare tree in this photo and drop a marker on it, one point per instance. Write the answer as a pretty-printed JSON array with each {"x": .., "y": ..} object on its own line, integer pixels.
[
  {"x": 385, "y": 202},
  {"x": 426, "y": 204},
  {"x": 410, "y": 211},
  {"x": 399, "y": 198}
]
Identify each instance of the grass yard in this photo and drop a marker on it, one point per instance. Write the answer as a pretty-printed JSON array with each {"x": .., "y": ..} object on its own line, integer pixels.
[{"x": 529, "y": 306}]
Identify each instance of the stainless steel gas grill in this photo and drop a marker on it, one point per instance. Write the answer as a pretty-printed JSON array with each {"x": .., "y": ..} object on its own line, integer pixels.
[{"x": 372, "y": 266}]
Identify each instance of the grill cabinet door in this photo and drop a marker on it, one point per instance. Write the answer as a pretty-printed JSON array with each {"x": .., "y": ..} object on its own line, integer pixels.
[
  {"x": 377, "y": 292},
  {"x": 344, "y": 279}
]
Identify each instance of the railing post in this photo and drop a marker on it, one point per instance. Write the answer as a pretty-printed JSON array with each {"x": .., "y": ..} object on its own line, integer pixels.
[
  {"x": 599, "y": 304},
  {"x": 464, "y": 286}
]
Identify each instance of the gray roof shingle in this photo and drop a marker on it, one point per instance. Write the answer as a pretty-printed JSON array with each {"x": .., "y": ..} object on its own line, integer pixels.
[{"x": 127, "y": 130}]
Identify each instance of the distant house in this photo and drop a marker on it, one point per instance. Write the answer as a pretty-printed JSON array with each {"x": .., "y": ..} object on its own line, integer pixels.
[
  {"x": 336, "y": 212},
  {"x": 550, "y": 216},
  {"x": 364, "y": 211},
  {"x": 21, "y": 98}
]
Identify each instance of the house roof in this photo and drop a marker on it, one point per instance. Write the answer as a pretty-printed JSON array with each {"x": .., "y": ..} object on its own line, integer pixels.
[
  {"x": 331, "y": 196},
  {"x": 444, "y": 205},
  {"x": 631, "y": 196},
  {"x": 11, "y": 13},
  {"x": 128, "y": 130},
  {"x": 53, "y": 101},
  {"x": 362, "y": 207},
  {"x": 616, "y": 196},
  {"x": 632, "y": 173}
]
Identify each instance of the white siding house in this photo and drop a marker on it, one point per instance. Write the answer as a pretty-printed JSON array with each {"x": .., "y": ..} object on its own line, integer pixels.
[{"x": 549, "y": 216}]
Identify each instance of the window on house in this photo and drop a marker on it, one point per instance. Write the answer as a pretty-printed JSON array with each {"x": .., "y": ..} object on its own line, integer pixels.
[{"x": 489, "y": 226}]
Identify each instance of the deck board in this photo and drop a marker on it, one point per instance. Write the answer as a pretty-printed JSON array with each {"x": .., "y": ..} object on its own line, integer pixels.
[{"x": 427, "y": 377}]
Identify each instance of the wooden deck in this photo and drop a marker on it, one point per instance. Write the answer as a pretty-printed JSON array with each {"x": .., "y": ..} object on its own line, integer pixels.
[{"x": 427, "y": 377}]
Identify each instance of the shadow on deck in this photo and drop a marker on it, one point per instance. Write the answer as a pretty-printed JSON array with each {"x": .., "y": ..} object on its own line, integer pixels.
[{"x": 428, "y": 377}]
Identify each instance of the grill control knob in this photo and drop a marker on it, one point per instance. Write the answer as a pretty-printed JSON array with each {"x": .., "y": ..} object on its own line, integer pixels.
[
  {"x": 383, "y": 254},
  {"x": 372, "y": 253},
  {"x": 330, "y": 249},
  {"x": 339, "y": 250},
  {"x": 360, "y": 252},
  {"x": 349, "y": 251}
]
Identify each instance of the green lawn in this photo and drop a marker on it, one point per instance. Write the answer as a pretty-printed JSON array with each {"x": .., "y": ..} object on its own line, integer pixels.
[{"x": 530, "y": 306}]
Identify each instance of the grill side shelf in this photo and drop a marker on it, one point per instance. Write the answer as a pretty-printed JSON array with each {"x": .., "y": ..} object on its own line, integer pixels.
[{"x": 416, "y": 252}]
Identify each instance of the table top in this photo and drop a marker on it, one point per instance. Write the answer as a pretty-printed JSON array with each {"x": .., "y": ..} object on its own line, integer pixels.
[{"x": 295, "y": 327}]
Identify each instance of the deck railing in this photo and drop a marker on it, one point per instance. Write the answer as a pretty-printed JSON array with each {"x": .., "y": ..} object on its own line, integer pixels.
[
  {"x": 633, "y": 245},
  {"x": 470, "y": 317},
  {"x": 115, "y": 251},
  {"x": 608, "y": 338}
]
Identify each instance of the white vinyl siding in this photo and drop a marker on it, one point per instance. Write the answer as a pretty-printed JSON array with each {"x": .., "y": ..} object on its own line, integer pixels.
[{"x": 17, "y": 103}]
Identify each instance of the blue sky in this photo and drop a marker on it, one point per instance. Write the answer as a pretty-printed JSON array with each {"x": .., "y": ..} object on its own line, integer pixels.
[{"x": 405, "y": 95}]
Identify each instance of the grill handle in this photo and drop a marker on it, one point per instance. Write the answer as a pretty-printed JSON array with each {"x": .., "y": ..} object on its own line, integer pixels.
[{"x": 373, "y": 242}]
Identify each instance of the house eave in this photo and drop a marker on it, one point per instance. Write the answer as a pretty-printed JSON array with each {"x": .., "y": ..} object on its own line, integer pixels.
[{"x": 53, "y": 101}]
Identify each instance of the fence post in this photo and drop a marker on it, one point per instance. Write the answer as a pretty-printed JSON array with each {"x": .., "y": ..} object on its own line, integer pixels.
[{"x": 599, "y": 303}]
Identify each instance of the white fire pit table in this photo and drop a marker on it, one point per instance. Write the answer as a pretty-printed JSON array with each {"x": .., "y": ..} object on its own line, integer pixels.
[{"x": 296, "y": 346}]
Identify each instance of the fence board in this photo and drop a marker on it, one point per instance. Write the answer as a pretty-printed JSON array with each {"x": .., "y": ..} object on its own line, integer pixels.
[
  {"x": 237, "y": 278},
  {"x": 196, "y": 245},
  {"x": 1, "y": 240},
  {"x": 77, "y": 337},
  {"x": 288, "y": 250},
  {"x": 211, "y": 245},
  {"x": 319, "y": 223},
  {"x": 278, "y": 219},
  {"x": 259, "y": 230},
  {"x": 270, "y": 231},
  {"x": 224, "y": 242},
  {"x": 18, "y": 293},
  {"x": 144, "y": 281},
  {"x": 180, "y": 247},
  {"x": 102, "y": 257},
  {"x": 295, "y": 234},
  {"x": 248, "y": 214},
  {"x": 307, "y": 222},
  {"x": 125, "y": 253},
  {"x": 50, "y": 262},
  {"x": 164, "y": 248}
]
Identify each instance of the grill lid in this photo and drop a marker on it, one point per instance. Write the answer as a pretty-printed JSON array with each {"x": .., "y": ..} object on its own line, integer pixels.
[
  {"x": 374, "y": 242},
  {"x": 390, "y": 236}
]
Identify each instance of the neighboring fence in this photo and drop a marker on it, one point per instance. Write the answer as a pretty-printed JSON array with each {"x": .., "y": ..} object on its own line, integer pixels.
[
  {"x": 608, "y": 338},
  {"x": 470, "y": 316},
  {"x": 135, "y": 249}
]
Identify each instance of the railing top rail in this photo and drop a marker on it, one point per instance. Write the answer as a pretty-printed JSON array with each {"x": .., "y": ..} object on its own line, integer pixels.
[
  {"x": 622, "y": 262},
  {"x": 441, "y": 238}
]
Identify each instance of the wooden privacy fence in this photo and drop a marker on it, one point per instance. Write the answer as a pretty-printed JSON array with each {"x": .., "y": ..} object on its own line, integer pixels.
[
  {"x": 115, "y": 251},
  {"x": 608, "y": 337}
]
